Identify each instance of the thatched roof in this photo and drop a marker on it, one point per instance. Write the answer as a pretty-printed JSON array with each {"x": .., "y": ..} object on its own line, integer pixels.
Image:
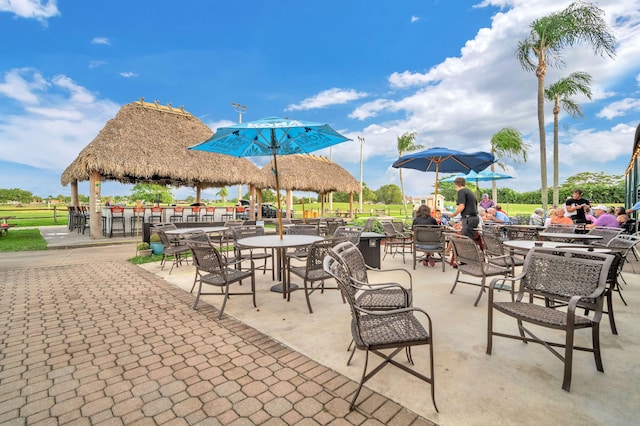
[
  {"x": 148, "y": 142},
  {"x": 304, "y": 172}
]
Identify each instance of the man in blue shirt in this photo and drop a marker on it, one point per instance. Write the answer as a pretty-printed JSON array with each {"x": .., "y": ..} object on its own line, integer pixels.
[{"x": 497, "y": 217}]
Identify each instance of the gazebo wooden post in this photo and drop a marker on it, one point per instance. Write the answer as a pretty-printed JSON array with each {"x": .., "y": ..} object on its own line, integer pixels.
[
  {"x": 289, "y": 203},
  {"x": 351, "y": 204},
  {"x": 252, "y": 202},
  {"x": 259, "y": 196},
  {"x": 95, "y": 208},
  {"x": 322, "y": 194},
  {"x": 198, "y": 193},
  {"x": 74, "y": 193}
]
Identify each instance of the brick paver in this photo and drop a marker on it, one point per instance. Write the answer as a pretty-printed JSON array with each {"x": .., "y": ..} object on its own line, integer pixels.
[{"x": 109, "y": 342}]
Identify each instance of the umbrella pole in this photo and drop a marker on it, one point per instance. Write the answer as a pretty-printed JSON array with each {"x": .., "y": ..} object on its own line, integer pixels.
[
  {"x": 435, "y": 197},
  {"x": 275, "y": 168}
]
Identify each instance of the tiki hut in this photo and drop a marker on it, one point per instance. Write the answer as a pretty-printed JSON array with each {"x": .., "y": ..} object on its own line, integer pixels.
[
  {"x": 304, "y": 172},
  {"x": 147, "y": 143}
]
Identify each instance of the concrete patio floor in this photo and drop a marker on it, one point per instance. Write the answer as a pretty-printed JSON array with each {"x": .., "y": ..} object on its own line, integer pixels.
[{"x": 517, "y": 384}]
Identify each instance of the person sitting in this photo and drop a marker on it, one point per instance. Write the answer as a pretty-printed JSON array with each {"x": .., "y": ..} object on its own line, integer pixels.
[
  {"x": 496, "y": 216},
  {"x": 622, "y": 218},
  {"x": 537, "y": 217},
  {"x": 551, "y": 213},
  {"x": 560, "y": 219},
  {"x": 486, "y": 202},
  {"x": 442, "y": 220},
  {"x": 423, "y": 217},
  {"x": 603, "y": 218}
]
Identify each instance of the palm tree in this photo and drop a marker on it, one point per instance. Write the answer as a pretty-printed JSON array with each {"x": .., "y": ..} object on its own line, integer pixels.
[
  {"x": 579, "y": 23},
  {"x": 406, "y": 143},
  {"x": 560, "y": 94},
  {"x": 224, "y": 193},
  {"x": 507, "y": 143}
]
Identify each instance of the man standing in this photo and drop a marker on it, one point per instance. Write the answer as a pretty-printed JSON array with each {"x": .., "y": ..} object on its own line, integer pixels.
[
  {"x": 576, "y": 207},
  {"x": 467, "y": 208}
]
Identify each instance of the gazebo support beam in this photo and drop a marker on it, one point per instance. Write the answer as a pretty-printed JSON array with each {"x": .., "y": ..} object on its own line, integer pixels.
[
  {"x": 74, "y": 194},
  {"x": 95, "y": 208}
]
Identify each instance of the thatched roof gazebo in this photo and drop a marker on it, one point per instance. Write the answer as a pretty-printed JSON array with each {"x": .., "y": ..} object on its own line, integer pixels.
[
  {"x": 147, "y": 142},
  {"x": 305, "y": 172}
]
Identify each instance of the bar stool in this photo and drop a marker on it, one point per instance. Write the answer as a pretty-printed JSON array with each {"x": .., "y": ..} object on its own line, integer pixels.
[
  {"x": 137, "y": 220},
  {"x": 229, "y": 215},
  {"x": 156, "y": 214},
  {"x": 209, "y": 215},
  {"x": 83, "y": 219},
  {"x": 194, "y": 215},
  {"x": 117, "y": 215},
  {"x": 177, "y": 214}
]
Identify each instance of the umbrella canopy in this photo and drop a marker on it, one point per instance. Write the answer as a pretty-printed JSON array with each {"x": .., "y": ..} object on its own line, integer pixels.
[
  {"x": 446, "y": 161},
  {"x": 271, "y": 136},
  {"x": 482, "y": 176}
]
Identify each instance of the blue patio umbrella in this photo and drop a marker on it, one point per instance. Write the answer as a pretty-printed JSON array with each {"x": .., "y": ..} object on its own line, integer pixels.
[
  {"x": 482, "y": 176},
  {"x": 271, "y": 136},
  {"x": 446, "y": 161}
]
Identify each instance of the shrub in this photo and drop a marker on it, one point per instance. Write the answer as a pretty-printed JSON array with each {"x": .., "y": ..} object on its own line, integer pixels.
[
  {"x": 143, "y": 246},
  {"x": 155, "y": 238}
]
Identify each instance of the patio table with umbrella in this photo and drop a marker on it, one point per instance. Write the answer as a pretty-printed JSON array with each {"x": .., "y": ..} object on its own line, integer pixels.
[
  {"x": 271, "y": 136},
  {"x": 446, "y": 161}
]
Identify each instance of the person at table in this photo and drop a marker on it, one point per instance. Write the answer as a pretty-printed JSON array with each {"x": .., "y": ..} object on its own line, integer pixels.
[
  {"x": 537, "y": 217},
  {"x": 603, "y": 218},
  {"x": 496, "y": 216},
  {"x": 442, "y": 220},
  {"x": 634, "y": 208},
  {"x": 423, "y": 217},
  {"x": 560, "y": 219},
  {"x": 588, "y": 214},
  {"x": 576, "y": 206},
  {"x": 467, "y": 208},
  {"x": 486, "y": 202}
]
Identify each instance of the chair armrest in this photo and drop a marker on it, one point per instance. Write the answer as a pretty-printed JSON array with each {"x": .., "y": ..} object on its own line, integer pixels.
[
  {"x": 411, "y": 309},
  {"x": 369, "y": 268}
]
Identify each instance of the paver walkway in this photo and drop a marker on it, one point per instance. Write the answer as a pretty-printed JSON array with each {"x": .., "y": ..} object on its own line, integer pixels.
[{"x": 108, "y": 343}]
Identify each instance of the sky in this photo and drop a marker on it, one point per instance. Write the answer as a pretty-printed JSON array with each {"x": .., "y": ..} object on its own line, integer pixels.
[{"x": 443, "y": 69}]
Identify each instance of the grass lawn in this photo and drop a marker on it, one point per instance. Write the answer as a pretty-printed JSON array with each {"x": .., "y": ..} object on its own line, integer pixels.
[{"x": 22, "y": 240}]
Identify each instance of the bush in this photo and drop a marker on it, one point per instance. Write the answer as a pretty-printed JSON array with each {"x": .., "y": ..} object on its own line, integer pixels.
[
  {"x": 143, "y": 246},
  {"x": 155, "y": 238}
]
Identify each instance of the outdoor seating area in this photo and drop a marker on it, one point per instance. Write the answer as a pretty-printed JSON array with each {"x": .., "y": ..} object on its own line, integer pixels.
[{"x": 459, "y": 346}]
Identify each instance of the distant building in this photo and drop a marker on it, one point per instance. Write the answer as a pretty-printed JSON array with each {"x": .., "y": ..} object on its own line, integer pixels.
[
  {"x": 632, "y": 174},
  {"x": 419, "y": 200}
]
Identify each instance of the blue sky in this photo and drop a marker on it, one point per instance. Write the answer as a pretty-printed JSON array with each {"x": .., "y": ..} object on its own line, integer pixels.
[{"x": 443, "y": 69}]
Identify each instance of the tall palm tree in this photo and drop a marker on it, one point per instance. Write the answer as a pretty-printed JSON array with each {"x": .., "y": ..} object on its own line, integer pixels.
[
  {"x": 224, "y": 193},
  {"x": 560, "y": 94},
  {"x": 406, "y": 143},
  {"x": 579, "y": 23},
  {"x": 507, "y": 143}
]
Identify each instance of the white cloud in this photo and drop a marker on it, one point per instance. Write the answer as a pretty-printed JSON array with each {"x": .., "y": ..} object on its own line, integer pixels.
[
  {"x": 96, "y": 64},
  {"x": 415, "y": 19},
  {"x": 619, "y": 108},
  {"x": 101, "y": 40},
  {"x": 128, "y": 74},
  {"x": 334, "y": 96},
  {"x": 21, "y": 84},
  {"x": 32, "y": 9},
  {"x": 54, "y": 120}
]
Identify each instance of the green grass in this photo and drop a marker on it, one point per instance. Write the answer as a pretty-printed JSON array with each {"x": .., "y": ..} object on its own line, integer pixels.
[
  {"x": 139, "y": 260},
  {"x": 22, "y": 240}
]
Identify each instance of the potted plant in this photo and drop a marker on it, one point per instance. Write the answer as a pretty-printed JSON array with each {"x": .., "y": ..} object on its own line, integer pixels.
[
  {"x": 156, "y": 244},
  {"x": 144, "y": 249}
]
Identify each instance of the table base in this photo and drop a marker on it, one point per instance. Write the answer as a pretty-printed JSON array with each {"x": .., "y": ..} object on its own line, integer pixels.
[{"x": 278, "y": 288}]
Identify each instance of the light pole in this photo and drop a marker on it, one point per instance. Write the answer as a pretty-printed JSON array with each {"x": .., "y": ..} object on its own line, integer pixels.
[
  {"x": 361, "y": 139},
  {"x": 240, "y": 109}
]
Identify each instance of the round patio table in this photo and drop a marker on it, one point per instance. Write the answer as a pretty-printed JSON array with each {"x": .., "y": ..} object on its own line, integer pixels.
[
  {"x": 526, "y": 245},
  {"x": 274, "y": 242},
  {"x": 569, "y": 237}
]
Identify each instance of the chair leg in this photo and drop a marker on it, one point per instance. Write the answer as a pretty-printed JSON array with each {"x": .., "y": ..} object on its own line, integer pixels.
[
  {"x": 481, "y": 291},
  {"x": 362, "y": 380}
]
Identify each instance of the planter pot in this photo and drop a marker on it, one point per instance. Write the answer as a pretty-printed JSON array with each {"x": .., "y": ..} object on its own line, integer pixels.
[
  {"x": 157, "y": 248},
  {"x": 145, "y": 253}
]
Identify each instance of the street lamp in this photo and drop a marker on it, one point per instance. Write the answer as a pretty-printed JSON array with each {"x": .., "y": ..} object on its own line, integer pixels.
[
  {"x": 361, "y": 139},
  {"x": 240, "y": 109}
]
